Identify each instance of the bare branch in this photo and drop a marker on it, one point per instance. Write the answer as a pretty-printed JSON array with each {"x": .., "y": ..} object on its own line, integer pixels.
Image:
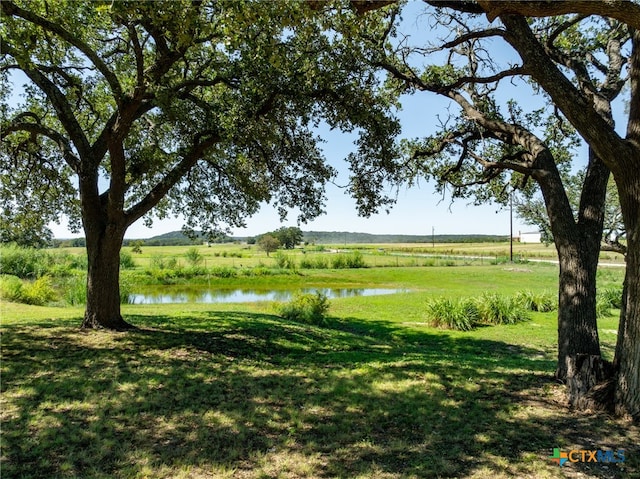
[
  {"x": 505, "y": 163},
  {"x": 465, "y": 80},
  {"x": 38, "y": 129},
  {"x": 475, "y": 35},
  {"x": 58, "y": 100}
]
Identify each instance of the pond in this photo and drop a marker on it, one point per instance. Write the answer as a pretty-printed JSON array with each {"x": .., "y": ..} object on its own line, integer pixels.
[{"x": 174, "y": 294}]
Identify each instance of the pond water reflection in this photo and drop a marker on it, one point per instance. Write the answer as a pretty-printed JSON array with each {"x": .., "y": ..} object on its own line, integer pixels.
[{"x": 176, "y": 294}]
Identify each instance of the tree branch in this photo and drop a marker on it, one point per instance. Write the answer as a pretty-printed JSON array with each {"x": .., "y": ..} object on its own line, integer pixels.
[
  {"x": 38, "y": 129},
  {"x": 573, "y": 104},
  {"x": 633, "y": 127},
  {"x": 169, "y": 180},
  {"x": 58, "y": 100},
  {"x": 625, "y": 11}
]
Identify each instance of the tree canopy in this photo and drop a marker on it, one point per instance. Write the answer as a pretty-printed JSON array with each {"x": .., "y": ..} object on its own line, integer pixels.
[{"x": 146, "y": 109}]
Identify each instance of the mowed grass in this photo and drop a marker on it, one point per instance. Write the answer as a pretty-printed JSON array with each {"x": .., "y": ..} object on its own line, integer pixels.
[{"x": 203, "y": 391}]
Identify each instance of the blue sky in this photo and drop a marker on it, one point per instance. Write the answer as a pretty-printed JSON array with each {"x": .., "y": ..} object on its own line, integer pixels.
[{"x": 418, "y": 210}]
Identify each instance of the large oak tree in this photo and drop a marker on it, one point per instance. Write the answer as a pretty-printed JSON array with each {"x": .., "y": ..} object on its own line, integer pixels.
[
  {"x": 562, "y": 77},
  {"x": 135, "y": 110}
]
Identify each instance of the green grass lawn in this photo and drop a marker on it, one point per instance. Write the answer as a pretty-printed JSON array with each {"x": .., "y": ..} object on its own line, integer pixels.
[{"x": 203, "y": 391}]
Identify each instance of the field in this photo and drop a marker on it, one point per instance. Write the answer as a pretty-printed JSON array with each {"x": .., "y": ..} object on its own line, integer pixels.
[
  {"x": 234, "y": 390},
  {"x": 396, "y": 254}
]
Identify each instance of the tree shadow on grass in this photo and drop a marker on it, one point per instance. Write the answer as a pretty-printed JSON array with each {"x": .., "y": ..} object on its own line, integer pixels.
[{"x": 249, "y": 395}]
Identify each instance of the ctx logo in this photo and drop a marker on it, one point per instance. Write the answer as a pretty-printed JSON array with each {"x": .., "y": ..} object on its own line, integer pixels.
[{"x": 583, "y": 455}]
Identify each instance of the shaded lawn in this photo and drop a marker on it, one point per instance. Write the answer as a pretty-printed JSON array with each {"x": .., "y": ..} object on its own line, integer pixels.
[{"x": 233, "y": 393}]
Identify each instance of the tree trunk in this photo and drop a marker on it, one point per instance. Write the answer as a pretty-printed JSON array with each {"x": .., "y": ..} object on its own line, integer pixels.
[
  {"x": 578, "y": 245},
  {"x": 577, "y": 324},
  {"x": 627, "y": 359},
  {"x": 103, "y": 279},
  {"x": 588, "y": 382}
]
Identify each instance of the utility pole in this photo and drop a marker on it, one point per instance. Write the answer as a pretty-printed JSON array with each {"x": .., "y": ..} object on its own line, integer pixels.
[
  {"x": 511, "y": 227},
  {"x": 433, "y": 236}
]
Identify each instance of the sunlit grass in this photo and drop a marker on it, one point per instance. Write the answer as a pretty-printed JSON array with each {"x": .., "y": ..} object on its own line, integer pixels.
[{"x": 232, "y": 390}]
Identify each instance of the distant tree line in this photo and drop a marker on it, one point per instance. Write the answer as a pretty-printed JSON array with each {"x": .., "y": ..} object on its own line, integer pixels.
[{"x": 288, "y": 238}]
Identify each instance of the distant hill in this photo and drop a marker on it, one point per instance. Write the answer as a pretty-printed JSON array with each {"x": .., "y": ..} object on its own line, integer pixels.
[
  {"x": 178, "y": 238},
  {"x": 337, "y": 237},
  {"x": 334, "y": 237}
]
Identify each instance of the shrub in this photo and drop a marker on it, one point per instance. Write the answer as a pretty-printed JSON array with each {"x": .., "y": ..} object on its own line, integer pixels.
[
  {"x": 355, "y": 260},
  {"x": 306, "y": 263},
  {"x": 256, "y": 271},
  {"x": 38, "y": 292},
  {"x": 75, "y": 290},
  {"x": 542, "y": 302},
  {"x": 460, "y": 314},
  {"x": 320, "y": 262},
  {"x": 350, "y": 260},
  {"x": 126, "y": 260},
  {"x": 497, "y": 309},
  {"x": 157, "y": 262},
  {"x": 10, "y": 288},
  {"x": 24, "y": 262},
  {"x": 284, "y": 261},
  {"x": 603, "y": 307},
  {"x": 338, "y": 261},
  {"x": 306, "y": 308},
  {"x": 224, "y": 272}
]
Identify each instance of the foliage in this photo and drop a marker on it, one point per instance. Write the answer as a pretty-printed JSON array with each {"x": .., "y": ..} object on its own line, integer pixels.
[
  {"x": 20, "y": 226},
  {"x": 206, "y": 109},
  {"x": 611, "y": 296},
  {"x": 608, "y": 299},
  {"x": 126, "y": 260},
  {"x": 530, "y": 207},
  {"x": 285, "y": 261},
  {"x": 193, "y": 256},
  {"x": 136, "y": 246},
  {"x": 10, "y": 288},
  {"x": 268, "y": 243},
  {"x": 316, "y": 262},
  {"x": 74, "y": 290},
  {"x": 464, "y": 314},
  {"x": 494, "y": 308},
  {"x": 289, "y": 237},
  {"x": 349, "y": 260},
  {"x": 537, "y": 301},
  {"x": 306, "y": 308},
  {"x": 459, "y": 314},
  {"x": 24, "y": 262},
  {"x": 37, "y": 292}
]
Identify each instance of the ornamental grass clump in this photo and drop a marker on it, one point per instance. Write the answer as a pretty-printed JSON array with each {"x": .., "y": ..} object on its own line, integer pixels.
[
  {"x": 460, "y": 314},
  {"x": 497, "y": 309},
  {"x": 611, "y": 296},
  {"x": 309, "y": 308},
  {"x": 540, "y": 302}
]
